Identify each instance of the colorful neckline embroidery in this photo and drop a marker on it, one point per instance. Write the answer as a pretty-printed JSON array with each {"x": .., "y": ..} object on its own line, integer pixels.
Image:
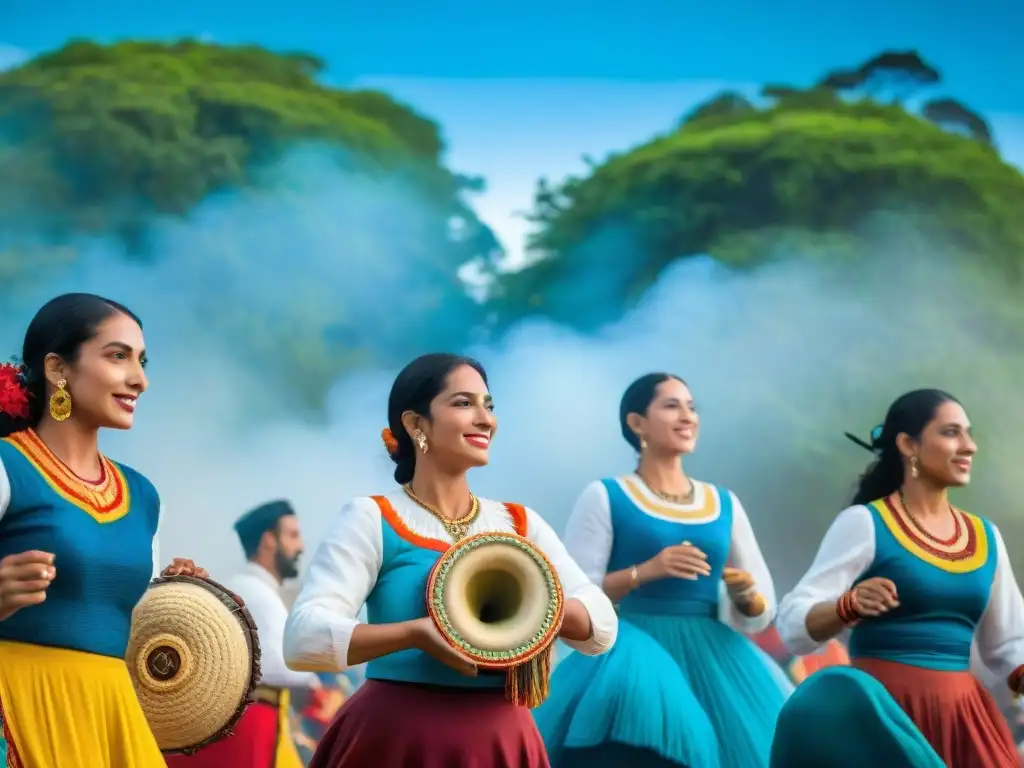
[
  {"x": 516, "y": 512},
  {"x": 705, "y": 507},
  {"x": 105, "y": 501},
  {"x": 968, "y": 552}
]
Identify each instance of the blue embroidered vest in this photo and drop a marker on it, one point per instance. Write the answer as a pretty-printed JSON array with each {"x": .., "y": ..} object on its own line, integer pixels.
[
  {"x": 942, "y": 598},
  {"x": 400, "y": 594},
  {"x": 639, "y": 535},
  {"x": 102, "y": 540}
]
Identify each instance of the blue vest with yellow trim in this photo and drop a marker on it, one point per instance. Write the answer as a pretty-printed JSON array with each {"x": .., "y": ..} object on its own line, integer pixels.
[
  {"x": 400, "y": 594},
  {"x": 941, "y": 600},
  {"x": 638, "y": 536},
  {"x": 103, "y": 553}
]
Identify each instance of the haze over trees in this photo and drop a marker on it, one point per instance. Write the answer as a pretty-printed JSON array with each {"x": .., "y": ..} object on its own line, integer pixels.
[
  {"x": 797, "y": 170},
  {"x": 118, "y": 142},
  {"x": 111, "y": 142}
]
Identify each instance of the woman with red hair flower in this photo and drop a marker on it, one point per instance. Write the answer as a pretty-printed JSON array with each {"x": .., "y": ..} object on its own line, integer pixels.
[{"x": 77, "y": 541}]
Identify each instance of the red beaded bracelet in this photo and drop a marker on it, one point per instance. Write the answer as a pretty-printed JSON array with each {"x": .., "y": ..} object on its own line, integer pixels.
[
  {"x": 846, "y": 608},
  {"x": 1015, "y": 678}
]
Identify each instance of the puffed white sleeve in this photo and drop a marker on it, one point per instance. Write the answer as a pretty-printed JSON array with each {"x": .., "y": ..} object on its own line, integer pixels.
[
  {"x": 5, "y": 490},
  {"x": 575, "y": 585},
  {"x": 340, "y": 577},
  {"x": 1000, "y": 636},
  {"x": 588, "y": 532},
  {"x": 745, "y": 554},
  {"x": 269, "y": 614},
  {"x": 847, "y": 550}
]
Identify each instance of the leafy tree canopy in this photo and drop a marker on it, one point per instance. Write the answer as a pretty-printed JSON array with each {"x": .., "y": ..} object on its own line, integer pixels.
[
  {"x": 103, "y": 135},
  {"x": 801, "y": 172},
  {"x": 121, "y": 141}
]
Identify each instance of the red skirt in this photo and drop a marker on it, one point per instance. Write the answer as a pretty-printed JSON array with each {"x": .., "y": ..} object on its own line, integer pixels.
[
  {"x": 401, "y": 725},
  {"x": 955, "y": 713},
  {"x": 252, "y": 743}
]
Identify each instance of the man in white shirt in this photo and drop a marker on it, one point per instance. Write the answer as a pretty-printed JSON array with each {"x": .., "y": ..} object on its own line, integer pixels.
[
  {"x": 272, "y": 544},
  {"x": 262, "y": 738}
]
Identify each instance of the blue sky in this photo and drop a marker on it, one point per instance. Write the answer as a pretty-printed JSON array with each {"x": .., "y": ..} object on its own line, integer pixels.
[{"x": 522, "y": 91}]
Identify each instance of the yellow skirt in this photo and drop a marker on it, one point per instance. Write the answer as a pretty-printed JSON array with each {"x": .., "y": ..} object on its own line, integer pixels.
[{"x": 69, "y": 709}]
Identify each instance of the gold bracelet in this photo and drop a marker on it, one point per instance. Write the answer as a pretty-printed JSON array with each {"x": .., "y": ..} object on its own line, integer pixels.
[
  {"x": 755, "y": 605},
  {"x": 634, "y": 575}
]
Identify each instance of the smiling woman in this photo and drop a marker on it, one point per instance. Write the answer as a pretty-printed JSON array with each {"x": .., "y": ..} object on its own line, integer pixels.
[
  {"x": 680, "y": 558},
  {"x": 424, "y": 703},
  {"x": 77, "y": 540},
  {"x": 918, "y": 581}
]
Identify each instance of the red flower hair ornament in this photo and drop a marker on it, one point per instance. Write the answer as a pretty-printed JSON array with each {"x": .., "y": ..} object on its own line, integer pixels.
[
  {"x": 389, "y": 441},
  {"x": 13, "y": 395}
]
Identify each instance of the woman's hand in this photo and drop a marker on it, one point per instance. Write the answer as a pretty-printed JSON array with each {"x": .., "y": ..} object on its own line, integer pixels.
[
  {"x": 740, "y": 585},
  {"x": 873, "y": 597},
  {"x": 678, "y": 561},
  {"x": 181, "y": 566},
  {"x": 427, "y": 639},
  {"x": 743, "y": 592},
  {"x": 24, "y": 579}
]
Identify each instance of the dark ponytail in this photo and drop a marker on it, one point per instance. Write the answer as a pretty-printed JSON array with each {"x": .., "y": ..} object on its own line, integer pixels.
[
  {"x": 909, "y": 415},
  {"x": 60, "y": 327},
  {"x": 414, "y": 390}
]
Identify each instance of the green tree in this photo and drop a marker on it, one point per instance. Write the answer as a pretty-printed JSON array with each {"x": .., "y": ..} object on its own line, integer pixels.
[
  {"x": 802, "y": 174},
  {"x": 120, "y": 141},
  {"x": 898, "y": 74},
  {"x": 108, "y": 135},
  {"x": 727, "y": 104},
  {"x": 955, "y": 116}
]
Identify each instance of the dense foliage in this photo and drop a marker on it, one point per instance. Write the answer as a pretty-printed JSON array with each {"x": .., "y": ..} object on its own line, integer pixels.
[
  {"x": 104, "y": 134},
  {"x": 802, "y": 172},
  {"x": 119, "y": 142}
]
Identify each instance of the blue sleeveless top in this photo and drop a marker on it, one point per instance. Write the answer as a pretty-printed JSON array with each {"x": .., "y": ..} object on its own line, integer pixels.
[
  {"x": 642, "y": 527},
  {"x": 400, "y": 594},
  {"x": 102, "y": 539},
  {"x": 943, "y": 592}
]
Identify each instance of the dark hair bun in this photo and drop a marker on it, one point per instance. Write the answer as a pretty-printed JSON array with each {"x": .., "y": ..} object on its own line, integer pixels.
[{"x": 414, "y": 389}]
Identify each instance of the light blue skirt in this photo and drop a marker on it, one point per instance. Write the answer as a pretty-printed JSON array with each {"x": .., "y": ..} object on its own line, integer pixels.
[
  {"x": 681, "y": 690},
  {"x": 841, "y": 717}
]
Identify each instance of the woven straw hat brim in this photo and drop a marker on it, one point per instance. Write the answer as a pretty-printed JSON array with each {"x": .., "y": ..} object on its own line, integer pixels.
[{"x": 193, "y": 658}]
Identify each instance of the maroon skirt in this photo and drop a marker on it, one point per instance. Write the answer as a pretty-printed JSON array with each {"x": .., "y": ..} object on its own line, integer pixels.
[
  {"x": 400, "y": 725},
  {"x": 955, "y": 713}
]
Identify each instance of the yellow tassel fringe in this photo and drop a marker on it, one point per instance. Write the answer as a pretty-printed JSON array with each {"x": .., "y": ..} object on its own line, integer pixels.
[{"x": 528, "y": 684}]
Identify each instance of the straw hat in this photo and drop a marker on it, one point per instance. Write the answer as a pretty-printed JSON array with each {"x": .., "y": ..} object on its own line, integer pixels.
[{"x": 194, "y": 658}]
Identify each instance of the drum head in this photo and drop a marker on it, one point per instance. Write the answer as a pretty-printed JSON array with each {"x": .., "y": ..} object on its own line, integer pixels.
[
  {"x": 193, "y": 658},
  {"x": 485, "y": 563}
]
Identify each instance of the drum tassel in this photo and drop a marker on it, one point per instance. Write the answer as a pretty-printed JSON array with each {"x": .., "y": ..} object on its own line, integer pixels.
[{"x": 528, "y": 684}]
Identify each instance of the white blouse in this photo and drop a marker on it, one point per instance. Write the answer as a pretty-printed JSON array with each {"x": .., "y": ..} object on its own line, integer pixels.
[
  {"x": 261, "y": 593},
  {"x": 589, "y": 537},
  {"x": 848, "y": 550},
  {"x": 348, "y": 560}
]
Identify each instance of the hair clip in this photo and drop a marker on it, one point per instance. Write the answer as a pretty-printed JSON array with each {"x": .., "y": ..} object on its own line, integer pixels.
[{"x": 874, "y": 446}]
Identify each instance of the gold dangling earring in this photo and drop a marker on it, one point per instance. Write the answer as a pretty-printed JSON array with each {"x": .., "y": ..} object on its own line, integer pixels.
[
  {"x": 913, "y": 467},
  {"x": 643, "y": 444},
  {"x": 421, "y": 441},
  {"x": 60, "y": 402}
]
